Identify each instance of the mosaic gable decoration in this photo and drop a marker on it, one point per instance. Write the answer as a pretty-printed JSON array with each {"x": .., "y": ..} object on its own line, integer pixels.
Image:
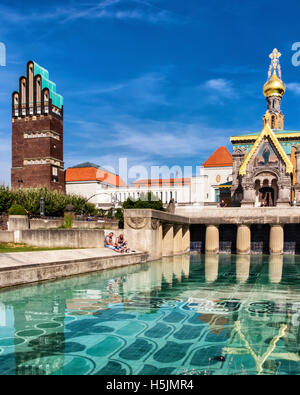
[{"x": 267, "y": 153}]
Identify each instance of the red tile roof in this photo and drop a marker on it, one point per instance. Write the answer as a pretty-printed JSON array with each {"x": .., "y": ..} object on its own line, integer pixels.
[
  {"x": 220, "y": 158},
  {"x": 93, "y": 174}
]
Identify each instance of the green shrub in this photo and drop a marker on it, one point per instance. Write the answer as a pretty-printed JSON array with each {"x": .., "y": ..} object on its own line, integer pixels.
[
  {"x": 110, "y": 213},
  {"x": 16, "y": 209},
  {"x": 68, "y": 221},
  {"x": 120, "y": 216},
  {"x": 145, "y": 201},
  {"x": 55, "y": 202},
  {"x": 6, "y": 199},
  {"x": 100, "y": 212}
]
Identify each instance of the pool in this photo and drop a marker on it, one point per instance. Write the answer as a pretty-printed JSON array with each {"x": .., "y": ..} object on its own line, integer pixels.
[{"x": 204, "y": 315}]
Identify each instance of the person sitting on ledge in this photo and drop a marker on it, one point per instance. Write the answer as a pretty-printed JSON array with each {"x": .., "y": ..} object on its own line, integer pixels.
[
  {"x": 108, "y": 242},
  {"x": 121, "y": 243},
  {"x": 222, "y": 204}
]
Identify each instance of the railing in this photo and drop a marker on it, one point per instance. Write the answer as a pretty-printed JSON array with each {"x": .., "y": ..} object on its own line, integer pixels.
[
  {"x": 257, "y": 247},
  {"x": 225, "y": 247},
  {"x": 289, "y": 248},
  {"x": 196, "y": 246}
]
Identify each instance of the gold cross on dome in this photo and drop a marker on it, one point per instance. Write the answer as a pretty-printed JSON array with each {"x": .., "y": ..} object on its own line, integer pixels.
[
  {"x": 275, "y": 55},
  {"x": 275, "y": 65}
]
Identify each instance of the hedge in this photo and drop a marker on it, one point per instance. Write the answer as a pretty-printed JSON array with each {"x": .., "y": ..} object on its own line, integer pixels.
[{"x": 55, "y": 202}]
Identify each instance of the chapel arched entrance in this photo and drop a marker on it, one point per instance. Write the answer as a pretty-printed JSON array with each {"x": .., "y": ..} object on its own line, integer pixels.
[{"x": 266, "y": 191}]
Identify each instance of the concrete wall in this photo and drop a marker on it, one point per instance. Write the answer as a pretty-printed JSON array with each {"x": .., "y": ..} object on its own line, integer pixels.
[
  {"x": 45, "y": 224},
  {"x": 150, "y": 231},
  {"x": 54, "y": 224},
  {"x": 18, "y": 222},
  {"x": 112, "y": 225},
  {"x": 70, "y": 238},
  {"x": 6, "y": 237}
]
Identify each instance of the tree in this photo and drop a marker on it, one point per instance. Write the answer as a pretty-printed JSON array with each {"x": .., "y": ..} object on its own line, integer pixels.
[
  {"x": 146, "y": 200},
  {"x": 6, "y": 199}
]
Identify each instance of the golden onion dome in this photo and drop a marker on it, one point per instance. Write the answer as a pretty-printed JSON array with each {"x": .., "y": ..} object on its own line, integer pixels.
[{"x": 274, "y": 87}]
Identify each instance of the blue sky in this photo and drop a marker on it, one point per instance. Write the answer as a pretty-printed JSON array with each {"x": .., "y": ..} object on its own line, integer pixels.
[{"x": 161, "y": 82}]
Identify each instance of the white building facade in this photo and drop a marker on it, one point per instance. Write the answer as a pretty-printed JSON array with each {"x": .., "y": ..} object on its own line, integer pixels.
[{"x": 110, "y": 191}]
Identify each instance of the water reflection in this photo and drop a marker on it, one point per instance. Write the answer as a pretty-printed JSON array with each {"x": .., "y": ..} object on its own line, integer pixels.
[
  {"x": 275, "y": 268},
  {"x": 219, "y": 314},
  {"x": 242, "y": 268},
  {"x": 211, "y": 268}
]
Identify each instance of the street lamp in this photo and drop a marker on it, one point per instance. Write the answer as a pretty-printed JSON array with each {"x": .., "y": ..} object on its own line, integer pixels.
[
  {"x": 20, "y": 182},
  {"x": 114, "y": 199},
  {"x": 114, "y": 202},
  {"x": 42, "y": 207}
]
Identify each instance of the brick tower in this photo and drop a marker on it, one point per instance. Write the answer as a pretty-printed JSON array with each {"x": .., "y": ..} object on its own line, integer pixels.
[{"x": 37, "y": 132}]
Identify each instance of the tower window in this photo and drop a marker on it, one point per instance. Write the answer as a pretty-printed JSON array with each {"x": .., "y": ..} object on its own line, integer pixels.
[{"x": 273, "y": 122}]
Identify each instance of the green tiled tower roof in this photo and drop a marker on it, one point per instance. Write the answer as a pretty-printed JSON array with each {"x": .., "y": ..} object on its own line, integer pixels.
[{"x": 57, "y": 100}]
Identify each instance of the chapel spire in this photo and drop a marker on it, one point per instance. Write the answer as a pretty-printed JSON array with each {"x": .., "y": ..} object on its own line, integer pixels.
[{"x": 274, "y": 90}]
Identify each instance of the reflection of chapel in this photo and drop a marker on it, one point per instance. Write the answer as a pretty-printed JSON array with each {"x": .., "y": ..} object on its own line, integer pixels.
[{"x": 266, "y": 166}]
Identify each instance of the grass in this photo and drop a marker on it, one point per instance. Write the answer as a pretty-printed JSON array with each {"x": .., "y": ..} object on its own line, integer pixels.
[{"x": 12, "y": 247}]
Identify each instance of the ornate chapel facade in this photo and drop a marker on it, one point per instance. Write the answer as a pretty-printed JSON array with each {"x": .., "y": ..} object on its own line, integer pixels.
[{"x": 266, "y": 166}]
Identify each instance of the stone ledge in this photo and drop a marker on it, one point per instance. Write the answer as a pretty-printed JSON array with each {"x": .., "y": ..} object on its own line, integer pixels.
[
  {"x": 163, "y": 216},
  {"x": 247, "y": 216},
  {"x": 20, "y": 268}
]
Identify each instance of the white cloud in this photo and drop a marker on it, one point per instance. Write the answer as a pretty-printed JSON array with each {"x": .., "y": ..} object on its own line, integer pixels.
[
  {"x": 221, "y": 87},
  {"x": 147, "y": 88},
  {"x": 105, "y": 9},
  {"x": 148, "y": 140},
  {"x": 294, "y": 87}
]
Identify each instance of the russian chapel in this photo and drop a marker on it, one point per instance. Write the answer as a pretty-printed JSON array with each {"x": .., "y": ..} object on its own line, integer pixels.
[{"x": 266, "y": 165}]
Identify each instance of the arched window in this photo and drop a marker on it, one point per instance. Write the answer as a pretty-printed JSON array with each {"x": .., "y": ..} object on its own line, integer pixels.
[{"x": 273, "y": 119}]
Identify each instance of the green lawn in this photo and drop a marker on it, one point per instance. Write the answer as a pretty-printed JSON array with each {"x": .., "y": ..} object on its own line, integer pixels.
[{"x": 11, "y": 247}]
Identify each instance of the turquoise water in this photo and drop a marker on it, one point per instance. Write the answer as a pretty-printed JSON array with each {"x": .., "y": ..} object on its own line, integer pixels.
[{"x": 189, "y": 314}]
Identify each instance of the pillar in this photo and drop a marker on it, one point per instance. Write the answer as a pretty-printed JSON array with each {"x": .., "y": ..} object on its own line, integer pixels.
[
  {"x": 186, "y": 238},
  {"x": 168, "y": 240},
  {"x": 284, "y": 195},
  {"x": 276, "y": 239},
  {"x": 249, "y": 196},
  {"x": 212, "y": 239},
  {"x": 211, "y": 268},
  {"x": 178, "y": 242},
  {"x": 144, "y": 233},
  {"x": 275, "y": 268},
  {"x": 243, "y": 240},
  {"x": 242, "y": 268}
]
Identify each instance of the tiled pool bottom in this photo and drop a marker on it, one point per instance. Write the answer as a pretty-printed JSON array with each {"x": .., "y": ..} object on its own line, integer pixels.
[{"x": 206, "y": 315}]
